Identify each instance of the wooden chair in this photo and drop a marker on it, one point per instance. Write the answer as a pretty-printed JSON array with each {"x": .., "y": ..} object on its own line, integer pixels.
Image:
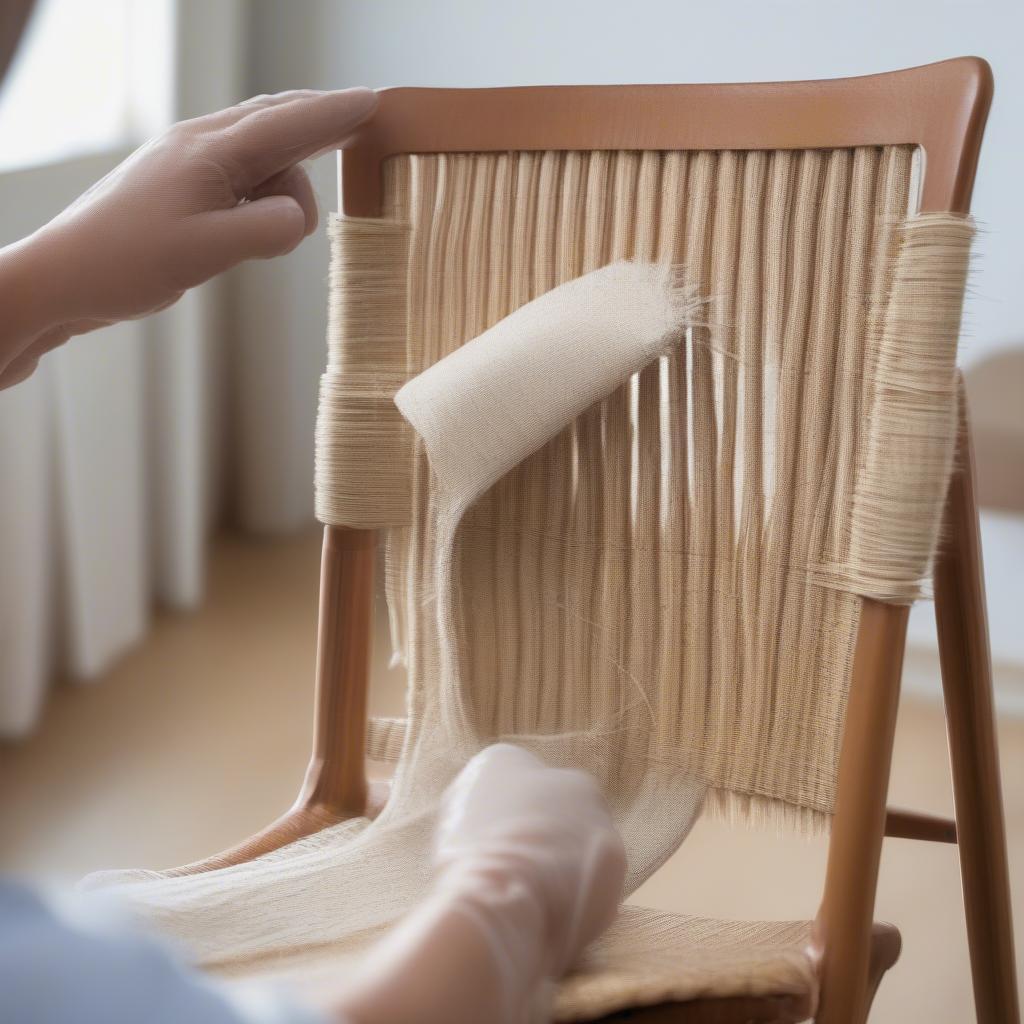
[{"x": 941, "y": 108}]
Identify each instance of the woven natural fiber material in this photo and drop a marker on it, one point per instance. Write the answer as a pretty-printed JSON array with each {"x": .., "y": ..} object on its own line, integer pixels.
[
  {"x": 673, "y": 543},
  {"x": 487, "y": 408},
  {"x": 239, "y": 920},
  {"x": 911, "y": 410},
  {"x": 650, "y": 957},
  {"x": 667, "y": 591},
  {"x": 385, "y": 738},
  {"x": 361, "y": 446},
  {"x": 501, "y": 397}
]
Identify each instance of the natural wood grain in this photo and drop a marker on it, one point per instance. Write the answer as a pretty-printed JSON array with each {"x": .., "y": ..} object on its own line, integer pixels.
[
  {"x": 901, "y": 824},
  {"x": 843, "y": 931},
  {"x": 940, "y": 107},
  {"x": 335, "y": 786},
  {"x": 967, "y": 684}
]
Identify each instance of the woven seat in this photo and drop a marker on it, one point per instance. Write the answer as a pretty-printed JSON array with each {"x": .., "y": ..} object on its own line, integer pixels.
[
  {"x": 649, "y": 958},
  {"x": 734, "y": 972}
]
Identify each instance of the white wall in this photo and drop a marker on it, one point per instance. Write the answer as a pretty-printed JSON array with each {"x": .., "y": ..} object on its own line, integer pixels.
[
  {"x": 474, "y": 43},
  {"x": 279, "y": 307}
]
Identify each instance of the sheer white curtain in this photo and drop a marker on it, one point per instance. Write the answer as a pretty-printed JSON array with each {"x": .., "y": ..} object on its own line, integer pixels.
[
  {"x": 112, "y": 455},
  {"x": 108, "y": 486}
]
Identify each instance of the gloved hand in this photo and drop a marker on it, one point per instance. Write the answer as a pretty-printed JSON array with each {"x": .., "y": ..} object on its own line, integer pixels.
[
  {"x": 530, "y": 870},
  {"x": 510, "y": 822},
  {"x": 205, "y": 195}
]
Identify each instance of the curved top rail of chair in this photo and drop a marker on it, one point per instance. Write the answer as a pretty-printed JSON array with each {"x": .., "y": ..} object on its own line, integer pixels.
[{"x": 941, "y": 107}]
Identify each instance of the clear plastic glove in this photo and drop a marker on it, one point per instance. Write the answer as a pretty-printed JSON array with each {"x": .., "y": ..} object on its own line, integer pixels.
[
  {"x": 204, "y": 196},
  {"x": 530, "y": 870},
  {"x": 510, "y": 821}
]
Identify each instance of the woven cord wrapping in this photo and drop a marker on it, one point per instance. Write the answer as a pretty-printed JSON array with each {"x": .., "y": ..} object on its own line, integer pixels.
[
  {"x": 911, "y": 408},
  {"x": 363, "y": 449}
]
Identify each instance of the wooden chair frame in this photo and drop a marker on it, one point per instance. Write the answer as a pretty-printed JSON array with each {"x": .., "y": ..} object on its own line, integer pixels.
[{"x": 941, "y": 108}]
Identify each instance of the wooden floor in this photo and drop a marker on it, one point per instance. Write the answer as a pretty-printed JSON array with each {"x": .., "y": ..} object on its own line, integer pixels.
[{"x": 200, "y": 737}]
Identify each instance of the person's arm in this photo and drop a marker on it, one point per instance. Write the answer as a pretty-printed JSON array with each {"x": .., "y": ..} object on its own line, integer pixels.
[
  {"x": 65, "y": 959},
  {"x": 204, "y": 196}
]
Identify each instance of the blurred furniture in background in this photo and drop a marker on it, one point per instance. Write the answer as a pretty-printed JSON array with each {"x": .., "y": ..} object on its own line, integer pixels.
[{"x": 995, "y": 388}]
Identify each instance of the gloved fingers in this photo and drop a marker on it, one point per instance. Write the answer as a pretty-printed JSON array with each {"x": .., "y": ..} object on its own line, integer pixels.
[
  {"x": 229, "y": 115},
  {"x": 294, "y": 182},
  {"x": 274, "y": 99},
  {"x": 24, "y": 364},
  {"x": 498, "y": 760},
  {"x": 482, "y": 790},
  {"x": 18, "y": 369},
  {"x": 169, "y": 217},
  {"x": 596, "y": 903},
  {"x": 508, "y": 818},
  {"x": 378, "y": 792},
  {"x": 269, "y": 139},
  {"x": 57, "y": 336},
  {"x": 219, "y": 239},
  {"x": 506, "y": 790}
]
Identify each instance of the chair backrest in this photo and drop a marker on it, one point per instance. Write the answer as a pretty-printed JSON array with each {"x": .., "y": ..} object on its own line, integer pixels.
[
  {"x": 688, "y": 563},
  {"x": 749, "y": 182}
]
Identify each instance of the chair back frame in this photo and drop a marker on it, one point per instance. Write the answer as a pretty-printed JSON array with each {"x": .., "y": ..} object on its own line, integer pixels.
[{"x": 941, "y": 108}]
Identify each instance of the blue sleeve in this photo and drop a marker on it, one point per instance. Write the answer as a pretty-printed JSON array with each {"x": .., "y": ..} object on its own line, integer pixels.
[{"x": 74, "y": 961}]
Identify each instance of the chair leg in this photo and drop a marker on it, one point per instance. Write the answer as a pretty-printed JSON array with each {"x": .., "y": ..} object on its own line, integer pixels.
[
  {"x": 335, "y": 787},
  {"x": 886, "y": 946},
  {"x": 849, "y": 960},
  {"x": 967, "y": 685}
]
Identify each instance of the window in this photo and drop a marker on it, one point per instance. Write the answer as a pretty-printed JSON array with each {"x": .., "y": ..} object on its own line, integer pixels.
[{"x": 87, "y": 77}]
